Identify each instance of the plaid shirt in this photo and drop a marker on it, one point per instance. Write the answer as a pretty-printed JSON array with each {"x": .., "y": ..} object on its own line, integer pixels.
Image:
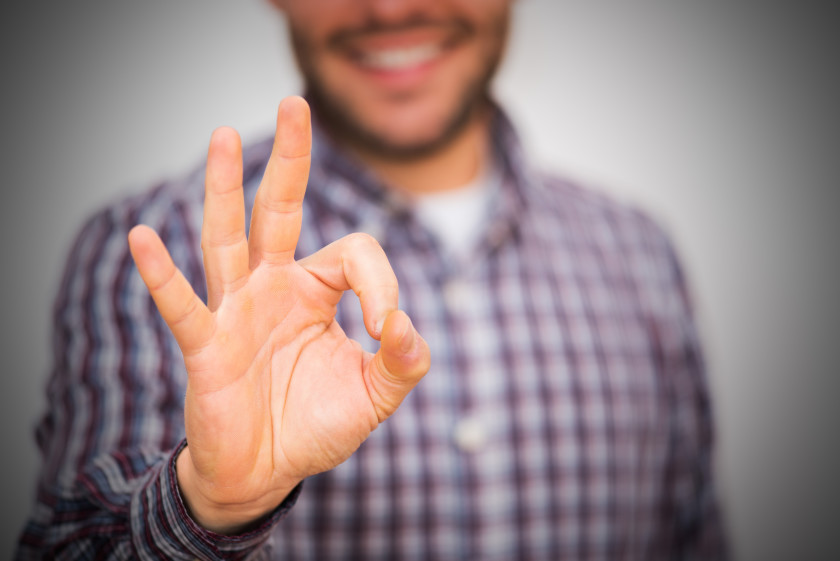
[{"x": 565, "y": 416}]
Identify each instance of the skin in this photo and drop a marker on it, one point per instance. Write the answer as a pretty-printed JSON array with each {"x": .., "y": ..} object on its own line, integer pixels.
[{"x": 276, "y": 391}]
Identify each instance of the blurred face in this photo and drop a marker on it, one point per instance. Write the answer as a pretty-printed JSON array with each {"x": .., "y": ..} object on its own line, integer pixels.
[{"x": 397, "y": 77}]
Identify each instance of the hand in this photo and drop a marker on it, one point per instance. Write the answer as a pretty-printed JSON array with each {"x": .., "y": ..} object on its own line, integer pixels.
[{"x": 276, "y": 391}]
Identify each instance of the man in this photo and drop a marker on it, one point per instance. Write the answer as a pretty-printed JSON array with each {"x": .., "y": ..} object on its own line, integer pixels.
[{"x": 564, "y": 413}]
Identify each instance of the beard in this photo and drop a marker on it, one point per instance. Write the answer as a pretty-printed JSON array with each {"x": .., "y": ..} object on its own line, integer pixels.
[
  {"x": 343, "y": 124},
  {"x": 336, "y": 114}
]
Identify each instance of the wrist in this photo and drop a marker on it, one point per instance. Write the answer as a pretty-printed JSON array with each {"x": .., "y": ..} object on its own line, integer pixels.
[{"x": 222, "y": 516}]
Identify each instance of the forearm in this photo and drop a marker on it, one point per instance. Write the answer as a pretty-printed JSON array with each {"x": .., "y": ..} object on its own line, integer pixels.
[
  {"x": 129, "y": 505},
  {"x": 114, "y": 420}
]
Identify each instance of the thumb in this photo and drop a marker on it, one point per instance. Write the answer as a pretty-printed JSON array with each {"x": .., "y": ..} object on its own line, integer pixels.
[{"x": 402, "y": 360}]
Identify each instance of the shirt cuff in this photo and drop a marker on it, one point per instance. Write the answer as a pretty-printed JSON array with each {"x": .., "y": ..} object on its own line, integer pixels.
[{"x": 162, "y": 528}]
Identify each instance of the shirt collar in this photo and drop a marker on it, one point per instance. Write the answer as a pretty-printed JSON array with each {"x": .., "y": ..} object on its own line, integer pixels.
[{"x": 345, "y": 185}]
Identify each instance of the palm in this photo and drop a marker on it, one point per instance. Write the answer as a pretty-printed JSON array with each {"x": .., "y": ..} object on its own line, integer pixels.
[
  {"x": 276, "y": 391},
  {"x": 295, "y": 369}
]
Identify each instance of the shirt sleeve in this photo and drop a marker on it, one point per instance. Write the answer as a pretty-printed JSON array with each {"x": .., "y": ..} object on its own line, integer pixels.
[
  {"x": 691, "y": 516},
  {"x": 114, "y": 423}
]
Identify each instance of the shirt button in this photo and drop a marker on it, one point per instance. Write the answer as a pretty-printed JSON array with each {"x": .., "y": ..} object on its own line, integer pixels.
[{"x": 470, "y": 435}]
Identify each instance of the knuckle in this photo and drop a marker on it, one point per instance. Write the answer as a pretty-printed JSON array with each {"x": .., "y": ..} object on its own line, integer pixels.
[
  {"x": 362, "y": 242},
  {"x": 279, "y": 205},
  {"x": 215, "y": 240}
]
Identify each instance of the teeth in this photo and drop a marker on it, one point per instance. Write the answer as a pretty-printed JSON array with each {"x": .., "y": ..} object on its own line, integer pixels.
[{"x": 396, "y": 59}]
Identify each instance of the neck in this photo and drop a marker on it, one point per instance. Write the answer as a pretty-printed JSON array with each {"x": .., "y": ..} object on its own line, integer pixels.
[{"x": 450, "y": 167}]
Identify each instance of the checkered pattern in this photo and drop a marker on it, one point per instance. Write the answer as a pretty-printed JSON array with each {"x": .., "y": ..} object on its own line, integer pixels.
[{"x": 564, "y": 349}]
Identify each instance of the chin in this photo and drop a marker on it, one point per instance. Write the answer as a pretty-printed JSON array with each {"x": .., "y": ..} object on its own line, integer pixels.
[
  {"x": 413, "y": 138},
  {"x": 407, "y": 133},
  {"x": 407, "y": 142}
]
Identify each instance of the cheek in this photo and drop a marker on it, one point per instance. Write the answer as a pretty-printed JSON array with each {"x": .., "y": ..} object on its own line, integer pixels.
[
  {"x": 483, "y": 12},
  {"x": 312, "y": 22}
]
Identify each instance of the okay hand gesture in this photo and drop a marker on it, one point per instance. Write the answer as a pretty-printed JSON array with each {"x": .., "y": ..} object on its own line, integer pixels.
[{"x": 276, "y": 391}]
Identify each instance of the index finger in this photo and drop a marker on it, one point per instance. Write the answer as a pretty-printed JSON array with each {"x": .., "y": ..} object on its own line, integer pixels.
[
  {"x": 357, "y": 262},
  {"x": 275, "y": 222}
]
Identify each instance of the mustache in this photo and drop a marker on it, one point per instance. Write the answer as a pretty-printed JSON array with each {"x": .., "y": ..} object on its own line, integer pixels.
[{"x": 372, "y": 27}]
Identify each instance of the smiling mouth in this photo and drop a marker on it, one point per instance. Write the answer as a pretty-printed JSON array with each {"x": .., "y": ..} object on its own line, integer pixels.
[
  {"x": 400, "y": 58},
  {"x": 400, "y": 48}
]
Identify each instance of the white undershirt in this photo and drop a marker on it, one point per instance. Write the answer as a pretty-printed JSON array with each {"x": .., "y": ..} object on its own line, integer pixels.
[{"x": 458, "y": 217}]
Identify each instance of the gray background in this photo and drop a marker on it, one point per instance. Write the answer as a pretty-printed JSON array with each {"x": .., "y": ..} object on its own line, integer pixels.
[{"x": 719, "y": 118}]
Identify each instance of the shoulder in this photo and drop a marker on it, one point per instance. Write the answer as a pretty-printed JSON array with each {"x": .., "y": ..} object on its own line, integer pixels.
[
  {"x": 560, "y": 206},
  {"x": 609, "y": 238},
  {"x": 158, "y": 207},
  {"x": 592, "y": 214},
  {"x": 173, "y": 207},
  {"x": 99, "y": 259}
]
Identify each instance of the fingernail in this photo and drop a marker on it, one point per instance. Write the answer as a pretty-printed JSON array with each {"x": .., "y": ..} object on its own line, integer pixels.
[
  {"x": 377, "y": 329},
  {"x": 408, "y": 338}
]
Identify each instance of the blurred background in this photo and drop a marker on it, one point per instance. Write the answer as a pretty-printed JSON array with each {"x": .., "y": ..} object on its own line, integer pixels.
[{"x": 718, "y": 118}]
